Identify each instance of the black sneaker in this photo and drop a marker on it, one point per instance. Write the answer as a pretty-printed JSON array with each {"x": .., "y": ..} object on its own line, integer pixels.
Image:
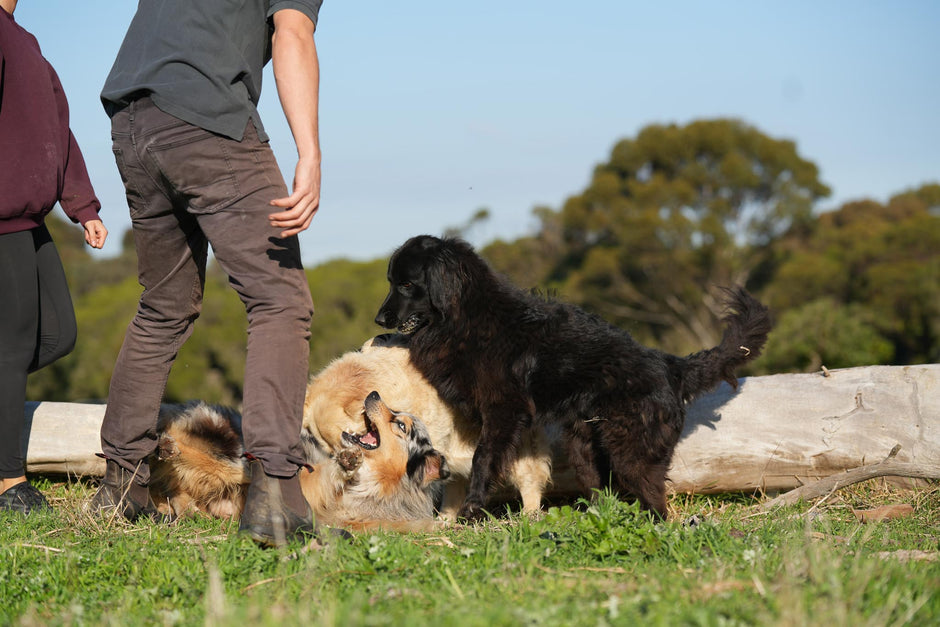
[
  {"x": 267, "y": 519},
  {"x": 24, "y": 499}
]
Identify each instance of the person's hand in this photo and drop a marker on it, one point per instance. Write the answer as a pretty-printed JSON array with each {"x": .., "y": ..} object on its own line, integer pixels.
[
  {"x": 302, "y": 205},
  {"x": 95, "y": 233}
]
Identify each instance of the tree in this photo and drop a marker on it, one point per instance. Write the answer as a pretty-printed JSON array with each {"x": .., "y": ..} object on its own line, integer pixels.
[
  {"x": 675, "y": 213},
  {"x": 885, "y": 258},
  {"x": 827, "y": 333}
]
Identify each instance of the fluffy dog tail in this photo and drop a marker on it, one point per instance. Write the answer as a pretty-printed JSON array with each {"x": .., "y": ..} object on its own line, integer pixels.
[{"x": 747, "y": 326}]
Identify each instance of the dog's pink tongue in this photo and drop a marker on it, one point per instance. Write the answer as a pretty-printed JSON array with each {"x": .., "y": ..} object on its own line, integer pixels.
[{"x": 369, "y": 439}]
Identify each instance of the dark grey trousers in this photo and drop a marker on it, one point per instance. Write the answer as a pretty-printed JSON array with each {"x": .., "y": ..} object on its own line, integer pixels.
[{"x": 188, "y": 189}]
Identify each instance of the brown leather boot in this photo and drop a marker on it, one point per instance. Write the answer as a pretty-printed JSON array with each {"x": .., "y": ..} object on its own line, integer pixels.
[
  {"x": 119, "y": 493},
  {"x": 271, "y": 516}
]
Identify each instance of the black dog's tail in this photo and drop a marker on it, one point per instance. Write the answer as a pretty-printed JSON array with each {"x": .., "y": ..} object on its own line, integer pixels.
[{"x": 747, "y": 326}]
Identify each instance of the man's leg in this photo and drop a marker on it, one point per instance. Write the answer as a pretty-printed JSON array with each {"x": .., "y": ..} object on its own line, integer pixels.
[
  {"x": 171, "y": 252},
  {"x": 227, "y": 186},
  {"x": 268, "y": 275}
]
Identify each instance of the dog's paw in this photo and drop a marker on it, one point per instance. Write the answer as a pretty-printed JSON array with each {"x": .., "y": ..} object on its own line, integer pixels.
[
  {"x": 166, "y": 447},
  {"x": 349, "y": 459},
  {"x": 471, "y": 511}
]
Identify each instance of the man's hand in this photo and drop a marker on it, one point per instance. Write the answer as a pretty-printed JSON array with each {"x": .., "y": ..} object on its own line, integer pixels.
[
  {"x": 302, "y": 205},
  {"x": 95, "y": 233}
]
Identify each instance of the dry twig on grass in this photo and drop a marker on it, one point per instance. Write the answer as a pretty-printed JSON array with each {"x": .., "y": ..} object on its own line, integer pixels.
[{"x": 886, "y": 468}]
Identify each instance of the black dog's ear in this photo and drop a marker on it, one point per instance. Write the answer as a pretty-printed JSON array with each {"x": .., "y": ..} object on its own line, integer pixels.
[{"x": 446, "y": 274}]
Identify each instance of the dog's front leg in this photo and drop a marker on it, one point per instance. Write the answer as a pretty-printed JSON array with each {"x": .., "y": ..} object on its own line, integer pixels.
[{"x": 499, "y": 440}]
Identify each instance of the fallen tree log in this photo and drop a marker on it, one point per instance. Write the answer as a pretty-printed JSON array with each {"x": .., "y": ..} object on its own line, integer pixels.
[
  {"x": 774, "y": 433},
  {"x": 63, "y": 438},
  {"x": 780, "y": 432}
]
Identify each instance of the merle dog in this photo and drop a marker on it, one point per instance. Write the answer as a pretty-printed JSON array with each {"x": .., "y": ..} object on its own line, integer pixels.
[{"x": 512, "y": 359}]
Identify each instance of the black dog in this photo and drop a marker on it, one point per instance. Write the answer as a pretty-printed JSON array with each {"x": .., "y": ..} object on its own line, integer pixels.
[{"x": 508, "y": 358}]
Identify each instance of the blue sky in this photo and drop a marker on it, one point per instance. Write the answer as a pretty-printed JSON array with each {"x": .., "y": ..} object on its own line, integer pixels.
[{"x": 431, "y": 110}]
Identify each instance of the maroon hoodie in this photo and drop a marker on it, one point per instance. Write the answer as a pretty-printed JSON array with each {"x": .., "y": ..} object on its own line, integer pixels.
[{"x": 40, "y": 162}]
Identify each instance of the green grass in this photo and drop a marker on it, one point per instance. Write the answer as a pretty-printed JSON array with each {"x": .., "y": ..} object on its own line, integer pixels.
[{"x": 593, "y": 564}]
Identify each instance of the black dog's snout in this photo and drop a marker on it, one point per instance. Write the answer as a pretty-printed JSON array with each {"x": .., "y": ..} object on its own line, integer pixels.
[{"x": 386, "y": 318}]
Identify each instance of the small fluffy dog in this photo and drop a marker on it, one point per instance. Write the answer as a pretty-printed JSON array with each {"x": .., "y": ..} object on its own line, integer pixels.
[
  {"x": 333, "y": 404},
  {"x": 511, "y": 361},
  {"x": 383, "y": 474},
  {"x": 198, "y": 464}
]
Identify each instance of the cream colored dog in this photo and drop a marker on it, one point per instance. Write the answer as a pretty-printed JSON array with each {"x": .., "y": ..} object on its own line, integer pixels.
[{"x": 334, "y": 405}]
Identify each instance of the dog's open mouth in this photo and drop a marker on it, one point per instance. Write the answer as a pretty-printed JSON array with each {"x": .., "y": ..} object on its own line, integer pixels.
[
  {"x": 410, "y": 325},
  {"x": 368, "y": 440}
]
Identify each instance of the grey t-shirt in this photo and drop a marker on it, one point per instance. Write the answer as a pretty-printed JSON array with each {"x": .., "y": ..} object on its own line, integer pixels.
[{"x": 199, "y": 60}]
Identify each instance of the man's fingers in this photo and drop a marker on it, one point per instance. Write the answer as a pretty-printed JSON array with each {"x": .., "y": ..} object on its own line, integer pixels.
[
  {"x": 296, "y": 226},
  {"x": 295, "y": 231},
  {"x": 288, "y": 202},
  {"x": 293, "y": 216},
  {"x": 286, "y": 216},
  {"x": 296, "y": 219}
]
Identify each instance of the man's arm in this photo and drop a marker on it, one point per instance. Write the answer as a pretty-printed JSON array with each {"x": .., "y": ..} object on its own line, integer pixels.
[{"x": 297, "y": 74}]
